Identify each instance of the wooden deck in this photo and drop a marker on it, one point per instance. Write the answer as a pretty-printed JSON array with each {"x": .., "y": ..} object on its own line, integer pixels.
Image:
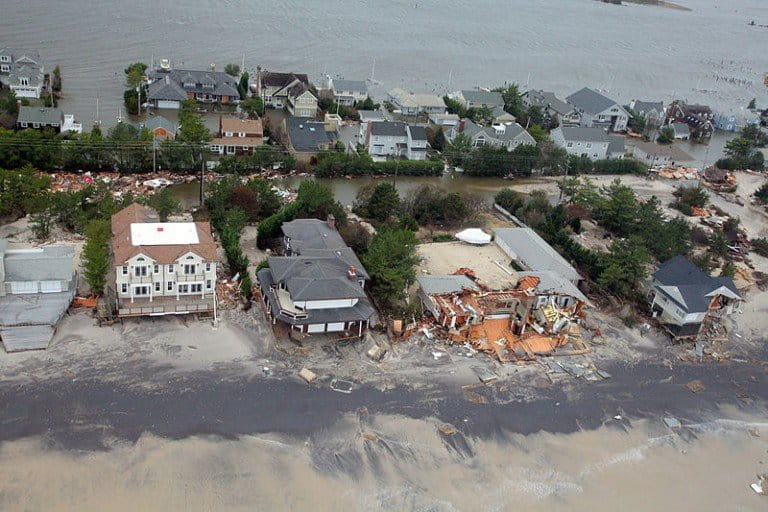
[{"x": 165, "y": 306}]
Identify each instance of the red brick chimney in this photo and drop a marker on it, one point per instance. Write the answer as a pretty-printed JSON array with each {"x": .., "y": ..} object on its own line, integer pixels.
[{"x": 352, "y": 272}]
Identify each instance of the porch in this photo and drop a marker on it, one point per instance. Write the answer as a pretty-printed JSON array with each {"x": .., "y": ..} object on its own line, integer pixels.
[{"x": 166, "y": 305}]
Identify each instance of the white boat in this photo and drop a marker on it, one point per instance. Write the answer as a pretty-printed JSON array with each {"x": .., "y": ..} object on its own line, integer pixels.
[{"x": 157, "y": 183}]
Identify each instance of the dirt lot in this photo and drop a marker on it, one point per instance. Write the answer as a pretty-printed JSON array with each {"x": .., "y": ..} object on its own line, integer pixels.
[{"x": 448, "y": 257}]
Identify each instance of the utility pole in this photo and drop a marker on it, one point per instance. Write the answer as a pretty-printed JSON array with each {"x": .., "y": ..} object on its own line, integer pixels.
[{"x": 202, "y": 175}]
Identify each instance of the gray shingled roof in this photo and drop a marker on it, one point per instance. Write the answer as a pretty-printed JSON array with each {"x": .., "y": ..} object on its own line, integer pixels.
[
  {"x": 535, "y": 253},
  {"x": 388, "y": 128},
  {"x": 166, "y": 89},
  {"x": 689, "y": 287},
  {"x": 546, "y": 99},
  {"x": 40, "y": 115},
  {"x": 418, "y": 132},
  {"x": 584, "y": 134},
  {"x": 370, "y": 115},
  {"x": 643, "y": 107},
  {"x": 312, "y": 234},
  {"x": 681, "y": 129},
  {"x": 490, "y": 98},
  {"x": 359, "y": 312},
  {"x": 589, "y": 101},
  {"x": 616, "y": 145},
  {"x": 224, "y": 84},
  {"x": 441, "y": 284},
  {"x": 305, "y": 136},
  {"x": 52, "y": 263},
  {"x": 159, "y": 122},
  {"x": 350, "y": 85},
  {"x": 311, "y": 278}
]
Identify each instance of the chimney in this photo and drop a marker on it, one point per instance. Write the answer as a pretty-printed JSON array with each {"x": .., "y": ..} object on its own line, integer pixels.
[
  {"x": 352, "y": 272},
  {"x": 331, "y": 220},
  {"x": 213, "y": 66},
  {"x": 461, "y": 126}
]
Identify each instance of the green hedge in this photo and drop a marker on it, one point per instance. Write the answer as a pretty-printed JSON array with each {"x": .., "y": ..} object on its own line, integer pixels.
[{"x": 269, "y": 228}]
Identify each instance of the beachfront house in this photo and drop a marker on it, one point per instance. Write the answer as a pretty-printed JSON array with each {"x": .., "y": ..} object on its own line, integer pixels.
[
  {"x": 579, "y": 141},
  {"x": 22, "y": 71},
  {"x": 304, "y": 138},
  {"x": 366, "y": 116},
  {"x": 237, "y": 136},
  {"x": 396, "y": 139},
  {"x": 319, "y": 285},
  {"x": 699, "y": 118},
  {"x": 508, "y": 135},
  {"x": 167, "y": 87},
  {"x": 160, "y": 128},
  {"x": 36, "y": 287},
  {"x": 653, "y": 111},
  {"x": 41, "y": 118},
  {"x": 289, "y": 90},
  {"x": 552, "y": 107},
  {"x": 680, "y": 131},
  {"x": 162, "y": 268},
  {"x": 598, "y": 111},
  {"x": 529, "y": 252},
  {"x": 684, "y": 299},
  {"x": 348, "y": 92},
  {"x": 478, "y": 98},
  {"x": 410, "y": 103}
]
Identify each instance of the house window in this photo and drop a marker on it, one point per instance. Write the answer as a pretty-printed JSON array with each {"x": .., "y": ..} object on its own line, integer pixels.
[
  {"x": 124, "y": 288},
  {"x": 197, "y": 287},
  {"x": 125, "y": 270},
  {"x": 170, "y": 269},
  {"x": 189, "y": 269},
  {"x": 5, "y": 68},
  {"x": 227, "y": 134},
  {"x": 208, "y": 284},
  {"x": 157, "y": 286},
  {"x": 241, "y": 134},
  {"x": 35, "y": 125},
  {"x": 589, "y": 145},
  {"x": 140, "y": 271},
  {"x": 569, "y": 145},
  {"x": 156, "y": 270},
  {"x": 23, "y": 80},
  {"x": 170, "y": 286},
  {"x": 141, "y": 290},
  {"x": 230, "y": 150},
  {"x": 24, "y": 124},
  {"x": 5, "y": 58},
  {"x": 207, "y": 267}
]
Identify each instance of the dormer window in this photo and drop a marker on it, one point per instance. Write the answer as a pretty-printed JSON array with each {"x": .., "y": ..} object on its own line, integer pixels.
[
  {"x": 5, "y": 58},
  {"x": 241, "y": 134},
  {"x": 5, "y": 68},
  {"x": 188, "y": 85},
  {"x": 23, "y": 80},
  {"x": 228, "y": 134}
]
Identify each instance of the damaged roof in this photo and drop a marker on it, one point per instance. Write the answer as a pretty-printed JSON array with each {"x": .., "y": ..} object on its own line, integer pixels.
[
  {"x": 690, "y": 287},
  {"x": 552, "y": 283},
  {"x": 442, "y": 284},
  {"x": 535, "y": 253}
]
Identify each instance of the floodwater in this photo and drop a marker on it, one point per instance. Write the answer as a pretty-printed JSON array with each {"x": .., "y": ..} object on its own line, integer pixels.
[
  {"x": 395, "y": 463},
  {"x": 708, "y": 54}
]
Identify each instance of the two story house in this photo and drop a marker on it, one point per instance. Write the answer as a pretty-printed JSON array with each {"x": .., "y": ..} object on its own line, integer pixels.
[
  {"x": 410, "y": 103},
  {"x": 699, "y": 118},
  {"x": 319, "y": 285},
  {"x": 552, "y": 107},
  {"x": 348, "y": 92},
  {"x": 684, "y": 298},
  {"x": 508, "y": 135},
  {"x": 162, "y": 268},
  {"x": 36, "y": 287},
  {"x": 653, "y": 111},
  {"x": 396, "y": 139},
  {"x": 167, "y": 87},
  {"x": 598, "y": 111},
  {"x": 579, "y": 141},
  {"x": 305, "y": 138},
  {"x": 22, "y": 71},
  {"x": 237, "y": 136},
  {"x": 289, "y": 90}
]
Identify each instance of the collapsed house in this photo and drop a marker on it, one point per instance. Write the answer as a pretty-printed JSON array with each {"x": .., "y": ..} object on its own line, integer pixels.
[
  {"x": 36, "y": 288},
  {"x": 541, "y": 315}
]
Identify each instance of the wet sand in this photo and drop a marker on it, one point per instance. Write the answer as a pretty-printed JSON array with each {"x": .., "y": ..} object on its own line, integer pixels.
[{"x": 401, "y": 464}]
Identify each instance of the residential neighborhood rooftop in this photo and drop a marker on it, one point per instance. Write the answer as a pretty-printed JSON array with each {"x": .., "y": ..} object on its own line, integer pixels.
[
  {"x": 483, "y": 97},
  {"x": 305, "y": 136},
  {"x": 41, "y": 115},
  {"x": 584, "y": 134},
  {"x": 690, "y": 287},
  {"x": 589, "y": 101},
  {"x": 535, "y": 253}
]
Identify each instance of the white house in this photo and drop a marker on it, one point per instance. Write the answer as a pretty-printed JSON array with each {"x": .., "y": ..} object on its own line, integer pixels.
[
  {"x": 509, "y": 135},
  {"x": 414, "y": 103},
  {"x": 366, "y": 116},
  {"x": 23, "y": 72},
  {"x": 162, "y": 268},
  {"x": 597, "y": 111},
  {"x": 654, "y": 154},
  {"x": 396, "y": 139},
  {"x": 579, "y": 141},
  {"x": 348, "y": 92}
]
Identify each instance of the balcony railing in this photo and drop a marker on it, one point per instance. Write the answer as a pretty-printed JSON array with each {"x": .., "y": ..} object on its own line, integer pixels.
[{"x": 184, "y": 278}]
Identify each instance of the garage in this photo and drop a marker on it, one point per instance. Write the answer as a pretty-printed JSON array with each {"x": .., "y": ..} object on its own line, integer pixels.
[
  {"x": 23, "y": 287},
  {"x": 169, "y": 104},
  {"x": 51, "y": 287},
  {"x": 315, "y": 328},
  {"x": 336, "y": 327}
]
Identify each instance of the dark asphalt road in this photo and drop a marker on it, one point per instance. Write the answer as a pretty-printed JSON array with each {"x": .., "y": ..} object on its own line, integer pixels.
[{"x": 81, "y": 413}]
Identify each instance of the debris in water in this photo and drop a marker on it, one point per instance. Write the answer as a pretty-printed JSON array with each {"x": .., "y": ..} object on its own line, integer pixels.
[
  {"x": 342, "y": 386},
  {"x": 376, "y": 352},
  {"x": 446, "y": 429},
  {"x": 307, "y": 374},
  {"x": 672, "y": 422},
  {"x": 695, "y": 386}
]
